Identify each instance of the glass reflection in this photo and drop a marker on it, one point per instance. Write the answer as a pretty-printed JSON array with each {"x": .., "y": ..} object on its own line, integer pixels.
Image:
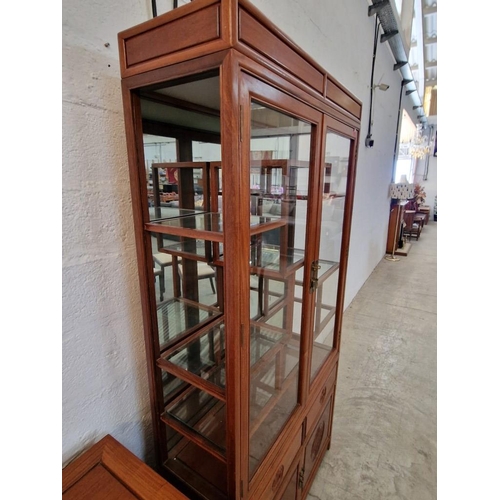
[
  {"x": 279, "y": 185},
  {"x": 332, "y": 219}
]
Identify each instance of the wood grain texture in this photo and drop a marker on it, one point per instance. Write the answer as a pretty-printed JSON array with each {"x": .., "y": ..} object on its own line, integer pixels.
[
  {"x": 109, "y": 471},
  {"x": 338, "y": 95},
  {"x": 261, "y": 39},
  {"x": 197, "y": 28},
  {"x": 316, "y": 445},
  {"x": 253, "y": 60}
]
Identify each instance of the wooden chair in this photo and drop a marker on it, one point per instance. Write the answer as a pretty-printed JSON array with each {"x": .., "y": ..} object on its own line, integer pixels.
[
  {"x": 163, "y": 260},
  {"x": 411, "y": 227},
  {"x": 204, "y": 272}
]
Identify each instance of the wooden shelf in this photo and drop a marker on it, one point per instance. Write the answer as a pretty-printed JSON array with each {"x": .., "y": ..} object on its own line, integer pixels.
[
  {"x": 169, "y": 211},
  {"x": 208, "y": 225},
  {"x": 178, "y": 318},
  {"x": 190, "y": 248},
  {"x": 201, "y": 418},
  {"x": 200, "y": 359},
  {"x": 224, "y": 378},
  {"x": 205, "y": 226},
  {"x": 195, "y": 467},
  {"x": 270, "y": 262}
]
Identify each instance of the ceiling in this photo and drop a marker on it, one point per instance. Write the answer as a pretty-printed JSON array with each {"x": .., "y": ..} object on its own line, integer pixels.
[
  {"x": 423, "y": 54},
  {"x": 409, "y": 27}
]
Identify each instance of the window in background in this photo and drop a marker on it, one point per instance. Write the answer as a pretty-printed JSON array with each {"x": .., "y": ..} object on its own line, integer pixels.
[{"x": 405, "y": 164}]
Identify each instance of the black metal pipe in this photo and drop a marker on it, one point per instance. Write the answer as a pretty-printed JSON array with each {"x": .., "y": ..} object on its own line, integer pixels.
[{"x": 374, "y": 56}]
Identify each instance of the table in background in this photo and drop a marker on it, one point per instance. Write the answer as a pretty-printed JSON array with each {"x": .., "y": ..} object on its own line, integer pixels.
[{"x": 424, "y": 210}]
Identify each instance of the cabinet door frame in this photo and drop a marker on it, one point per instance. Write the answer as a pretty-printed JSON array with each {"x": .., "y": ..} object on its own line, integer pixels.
[
  {"x": 332, "y": 125},
  {"x": 339, "y": 128},
  {"x": 254, "y": 88}
]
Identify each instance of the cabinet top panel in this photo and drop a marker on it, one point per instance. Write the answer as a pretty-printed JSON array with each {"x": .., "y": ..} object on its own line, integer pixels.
[{"x": 205, "y": 27}]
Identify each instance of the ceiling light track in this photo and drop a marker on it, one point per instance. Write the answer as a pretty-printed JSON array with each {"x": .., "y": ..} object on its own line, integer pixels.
[
  {"x": 385, "y": 15},
  {"x": 384, "y": 37},
  {"x": 377, "y": 7}
]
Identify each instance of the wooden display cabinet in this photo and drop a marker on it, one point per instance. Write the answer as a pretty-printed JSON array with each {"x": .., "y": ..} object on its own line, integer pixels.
[{"x": 251, "y": 224}]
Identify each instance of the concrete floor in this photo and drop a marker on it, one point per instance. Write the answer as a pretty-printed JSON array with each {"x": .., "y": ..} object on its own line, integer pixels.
[{"x": 384, "y": 427}]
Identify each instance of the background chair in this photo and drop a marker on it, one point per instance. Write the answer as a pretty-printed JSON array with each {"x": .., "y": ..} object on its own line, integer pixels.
[
  {"x": 163, "y": 260},
  {"x": 204, "y": 272},
  {"x": 157, "y": 274},
  {"x": 411, "y": 228}
]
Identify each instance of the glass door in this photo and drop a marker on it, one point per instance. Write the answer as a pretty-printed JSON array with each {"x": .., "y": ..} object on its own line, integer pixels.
[
  {"x": 282, "y": 150},
  {"x": 335, "y": 191}
]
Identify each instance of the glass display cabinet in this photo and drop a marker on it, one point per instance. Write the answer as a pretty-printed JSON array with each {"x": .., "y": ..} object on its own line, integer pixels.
[{"x": 242, "y": 154}]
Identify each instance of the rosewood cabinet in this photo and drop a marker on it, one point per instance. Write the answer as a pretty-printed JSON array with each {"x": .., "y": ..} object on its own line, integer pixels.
[{"x": 242, "y": 154}]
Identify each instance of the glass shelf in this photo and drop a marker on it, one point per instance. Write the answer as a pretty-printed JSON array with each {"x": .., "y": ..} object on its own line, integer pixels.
[
  {"x": 269, "y": 258},
  {"x": 199, "y": 414},
  {"x": 207, "y": 225},
  {"x": 262, "y": 223},
  {"x": 274, "y": 399},
  {"x": 202, "y": 355},
  {"x": 178, "y": 317},
  {"x": 189, "y": 247},
  {"x": 192, "y": 463},
  {"x": 171, "y": 386},
  {"x": 326, "y": 269},
  {"x": 264, "y": 342},
  {"x": 169, "y": 211}
]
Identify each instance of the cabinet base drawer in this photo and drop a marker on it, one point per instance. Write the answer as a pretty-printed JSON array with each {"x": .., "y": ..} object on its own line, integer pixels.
[
  {"x": 320, "y": 401},
  {"x": 317, "y": 444},
  {"x": 280, "y": 469}
]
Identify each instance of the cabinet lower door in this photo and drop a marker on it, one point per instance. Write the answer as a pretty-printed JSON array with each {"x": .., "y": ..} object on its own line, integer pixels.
[
  {"x": 316, "y": 445},
  {"x": 290, "y": 492}
]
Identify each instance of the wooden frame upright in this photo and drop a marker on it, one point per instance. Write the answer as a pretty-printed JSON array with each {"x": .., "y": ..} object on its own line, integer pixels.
[{"x": 252, "y": 61}]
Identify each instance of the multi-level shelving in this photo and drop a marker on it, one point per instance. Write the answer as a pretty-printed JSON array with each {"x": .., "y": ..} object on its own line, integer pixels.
[{"x": 242, "y": 245}]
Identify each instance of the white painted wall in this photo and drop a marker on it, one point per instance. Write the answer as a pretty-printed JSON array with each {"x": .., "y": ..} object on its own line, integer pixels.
[
  {"x": 428, "y": 182},
  {"x": 104, "y": 372},
  {"x": 104, "y": 377},
  {"x": 339, "y": 36}
]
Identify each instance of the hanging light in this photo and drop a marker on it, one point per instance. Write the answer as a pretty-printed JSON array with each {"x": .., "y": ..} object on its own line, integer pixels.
[{"x": 419, "y": 146}]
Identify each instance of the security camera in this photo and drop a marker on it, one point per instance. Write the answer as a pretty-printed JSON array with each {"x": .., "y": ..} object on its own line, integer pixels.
[
  {"x": 383, "y": 87},
  {"x": 369, "y": 142}
]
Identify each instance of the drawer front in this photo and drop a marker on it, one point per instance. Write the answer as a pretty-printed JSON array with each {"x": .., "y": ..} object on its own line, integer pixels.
[
  {"x": 317, "y": 443},
  {"x": 320, "y": 401},
  {"x": 199, "y": 27}
]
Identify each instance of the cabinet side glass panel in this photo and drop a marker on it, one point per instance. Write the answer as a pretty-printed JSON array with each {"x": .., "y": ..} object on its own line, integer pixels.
[
  {"x": 332, "y": 219},
  {"x": 181, "y": 137},
  {"x": 158, "y": 149},
  {"x": 196, "y": 466},
  {"x": 280, "y": 150},
  {"x": 185, "y": 286},
  {"x": 182, "y": 153}
]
